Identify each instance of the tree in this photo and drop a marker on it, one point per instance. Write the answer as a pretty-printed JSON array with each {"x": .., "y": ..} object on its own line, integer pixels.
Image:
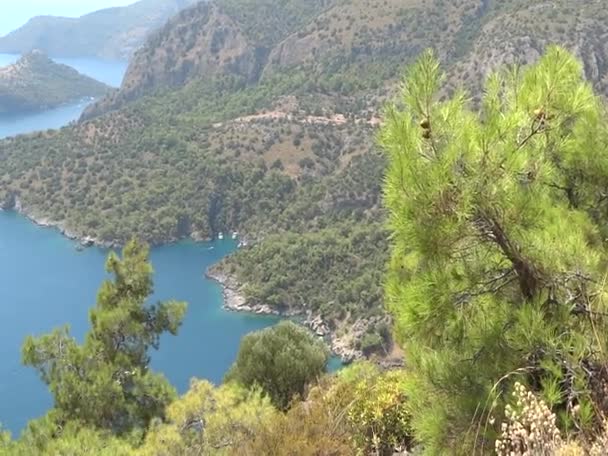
[
  {"x": 498, "y": 222},
  {"x": 208, "y": 420},
  {"x": 360, "y": 410},
  {"x": 106, "y": 382},
  {"x": 74, "y": 440},
  {"x": 281, "y": 360}
]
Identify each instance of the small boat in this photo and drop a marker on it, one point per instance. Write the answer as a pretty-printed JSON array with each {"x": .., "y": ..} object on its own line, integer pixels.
[
  {"x": 220, "y": 236},
  {"x": 235, "y": 235}
]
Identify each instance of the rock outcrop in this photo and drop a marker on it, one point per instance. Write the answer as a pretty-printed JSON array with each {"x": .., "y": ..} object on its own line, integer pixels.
[{"x": 200, "y": 41}]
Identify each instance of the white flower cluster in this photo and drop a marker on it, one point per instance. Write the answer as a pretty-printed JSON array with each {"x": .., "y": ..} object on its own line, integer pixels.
[{"x": 530, "y": 429}]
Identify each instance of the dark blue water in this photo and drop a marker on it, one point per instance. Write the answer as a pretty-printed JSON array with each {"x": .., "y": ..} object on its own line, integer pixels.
[{"x": 45, "y": 283}]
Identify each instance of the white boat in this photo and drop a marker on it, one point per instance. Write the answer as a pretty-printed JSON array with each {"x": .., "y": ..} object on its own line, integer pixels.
[
  {"x": 220, "y": 236},
  {"x": 235, "y": 235}
]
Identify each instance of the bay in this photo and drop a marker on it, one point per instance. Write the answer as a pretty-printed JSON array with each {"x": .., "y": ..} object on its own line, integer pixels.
[
  {"x": 108, "y": 72},
  {"x": 46, "y": 283}
]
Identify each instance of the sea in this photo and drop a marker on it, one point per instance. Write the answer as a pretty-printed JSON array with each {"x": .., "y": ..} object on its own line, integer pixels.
[{"x": 46, "y": 282}]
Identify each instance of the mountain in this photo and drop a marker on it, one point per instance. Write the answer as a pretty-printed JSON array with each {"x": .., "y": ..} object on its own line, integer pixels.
[
  {"x": 36, "y": 83},
  {"x": 112, "y": 33},
  {"x": 259, "y": 116}
]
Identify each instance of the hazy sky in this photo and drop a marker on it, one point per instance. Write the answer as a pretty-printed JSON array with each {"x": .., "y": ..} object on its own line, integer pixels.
[
  {"x": 81, "y": 5},
  {"x": 14, "y": 13}
]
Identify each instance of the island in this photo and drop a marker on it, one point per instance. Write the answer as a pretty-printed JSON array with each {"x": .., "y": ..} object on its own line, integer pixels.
[{"x": 36, "y": 83}]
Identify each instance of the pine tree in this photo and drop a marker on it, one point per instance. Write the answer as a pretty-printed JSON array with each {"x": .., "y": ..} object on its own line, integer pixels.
[
  {"x": 498, "y": 220},
  {"x": 106, "y": 382}
]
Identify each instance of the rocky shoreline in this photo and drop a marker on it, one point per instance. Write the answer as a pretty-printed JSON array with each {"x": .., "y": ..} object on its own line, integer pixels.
[
  {"x": 235, "y": 301},
  {"x": 83, "y": 240}
]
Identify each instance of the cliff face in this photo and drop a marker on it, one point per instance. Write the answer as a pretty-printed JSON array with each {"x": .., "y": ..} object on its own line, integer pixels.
[
  {"x": 520, "y": 37},
  {"x": 199, "y": 42},
  {"x": 112, "y": 33},
  {"x": 220, "y": 38},
  {"x": 35, "y": 83},
  {"x": 360, "y": 40}
]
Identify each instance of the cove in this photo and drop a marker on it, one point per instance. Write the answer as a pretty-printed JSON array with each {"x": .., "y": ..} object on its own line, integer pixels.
[{"x": 45, "y": 283}]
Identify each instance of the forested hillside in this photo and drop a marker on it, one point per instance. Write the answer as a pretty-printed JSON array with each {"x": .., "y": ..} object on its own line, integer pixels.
[
  {"x": 496, "y": 284},
  {"x": 260, "y": 116}
]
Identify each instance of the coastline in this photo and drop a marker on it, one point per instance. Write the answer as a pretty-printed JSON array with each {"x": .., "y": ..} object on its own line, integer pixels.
[
  {"x": 84, "y": 240},
  {"x": 235, "y": 301}
]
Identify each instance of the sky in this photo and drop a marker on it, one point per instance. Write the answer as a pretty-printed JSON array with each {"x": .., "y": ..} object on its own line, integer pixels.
[{"x": 14, "y": 13}]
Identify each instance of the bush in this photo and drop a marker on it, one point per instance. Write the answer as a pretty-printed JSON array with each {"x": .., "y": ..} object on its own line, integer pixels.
[{"x": 281, "y": 360}]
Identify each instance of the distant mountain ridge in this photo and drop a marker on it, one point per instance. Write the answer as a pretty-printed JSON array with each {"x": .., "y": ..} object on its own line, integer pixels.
[
  {"x": 36, "y": 83},
  {"x": 111, "y": 33}
]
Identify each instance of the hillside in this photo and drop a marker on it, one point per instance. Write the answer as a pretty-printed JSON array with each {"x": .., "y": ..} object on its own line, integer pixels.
[
  {"x": 112, "y": 33},
  {"x": 36, "y": 83},
  {"x": 259, "y": 116}
]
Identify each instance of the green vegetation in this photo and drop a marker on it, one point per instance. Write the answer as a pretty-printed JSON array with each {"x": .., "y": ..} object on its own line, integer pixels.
[
  {"x": 105, "y": 383},
  {"x": 291, "y": 281},
  {"x": 209, "y": 421},
  {"x": 496, "y": 285},
  {"x": 281, "y": 360},
  {"x": 360, "y": 410},
  {"x": 36, "y": 83},
  {"x": 345, "y": 262},
  {"x": 498, "y": 266},
  {"x": 276, "y": 139},
  {"x": 107, "y": 402}
]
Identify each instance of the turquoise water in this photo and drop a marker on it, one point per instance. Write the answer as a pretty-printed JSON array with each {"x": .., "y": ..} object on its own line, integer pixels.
[{"x": 45, "y": 282}]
